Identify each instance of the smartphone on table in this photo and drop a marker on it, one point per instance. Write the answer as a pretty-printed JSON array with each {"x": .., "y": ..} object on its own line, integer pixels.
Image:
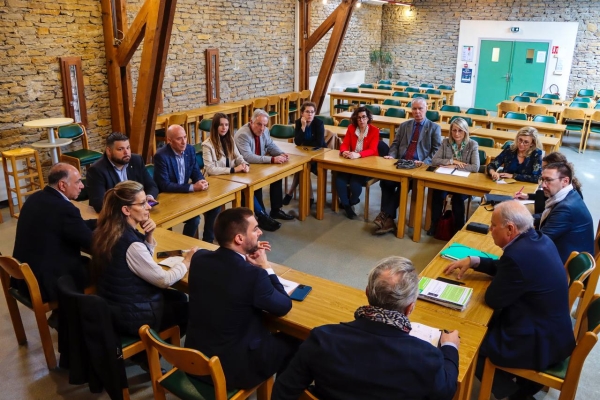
[
  {"x": 169, "y": 253},
  {"x": 152, "y": 203},
  {"x": 300, "y": 292}
]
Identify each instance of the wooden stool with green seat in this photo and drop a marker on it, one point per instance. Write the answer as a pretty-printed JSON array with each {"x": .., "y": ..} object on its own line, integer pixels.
[
  {"x": 188, "y": 362},
  {"x": 78, "y": 158}
]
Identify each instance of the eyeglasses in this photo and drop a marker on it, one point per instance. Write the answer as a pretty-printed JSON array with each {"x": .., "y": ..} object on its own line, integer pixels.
[
  {"x": 548, "y": 180},
  {"x": 143, "y": 203},
  {"x": 309, "y": 111},
  {"x": 525, "y": 142},
  {"x": 362, "y": 117}
]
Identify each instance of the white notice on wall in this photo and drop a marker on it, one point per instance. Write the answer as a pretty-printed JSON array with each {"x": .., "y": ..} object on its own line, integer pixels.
[
  {"x": 495, "y": 54},
  {"x": 541, "y": 57},
  {"x": 558, "y": 70},
  {"x": 467, "y": 53}
]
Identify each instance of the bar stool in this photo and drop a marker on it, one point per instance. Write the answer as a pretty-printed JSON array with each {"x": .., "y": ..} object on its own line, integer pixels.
[{"x": 29, "y": 172}]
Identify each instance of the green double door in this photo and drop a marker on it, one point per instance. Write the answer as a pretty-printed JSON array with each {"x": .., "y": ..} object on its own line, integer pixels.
[{"x": 507, "y": 68}]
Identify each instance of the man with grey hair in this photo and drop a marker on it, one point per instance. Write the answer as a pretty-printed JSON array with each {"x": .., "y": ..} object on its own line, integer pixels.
[
  {"x": 531, "y": 326},
  {"x": 416, "y": 140},
  {"x": 256, "y": 146},
  {"x": 374, "y": 356}
]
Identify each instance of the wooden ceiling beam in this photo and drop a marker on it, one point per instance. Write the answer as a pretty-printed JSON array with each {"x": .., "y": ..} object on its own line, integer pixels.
[
  {"x": 133, "y": 36},
  {"x": 322, "y": 30}
]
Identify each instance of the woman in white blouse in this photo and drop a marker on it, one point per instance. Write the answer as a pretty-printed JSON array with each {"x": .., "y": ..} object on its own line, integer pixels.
[{"x": 126, "y": 275}]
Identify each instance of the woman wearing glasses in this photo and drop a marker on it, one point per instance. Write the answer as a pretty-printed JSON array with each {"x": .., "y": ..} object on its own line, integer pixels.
[
  {"x": 135, "y": 287},
  {"x": 361, "y": 141},
  {"x": 460, "y": 152},
  {"x": 521, "y": 161},
  {"x": 308, "y": 131}
]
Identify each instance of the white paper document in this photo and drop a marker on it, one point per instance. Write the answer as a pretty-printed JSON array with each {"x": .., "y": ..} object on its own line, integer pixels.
[
  {"x": 426, "y": 333},
  {"x": 289, "y": 286},
  {"x": 171, "y": 261},
  {"x": 452, "y": 171}
]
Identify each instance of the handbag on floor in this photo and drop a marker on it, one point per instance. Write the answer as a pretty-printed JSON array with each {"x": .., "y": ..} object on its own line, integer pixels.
[{"x": 445, "y": 228}]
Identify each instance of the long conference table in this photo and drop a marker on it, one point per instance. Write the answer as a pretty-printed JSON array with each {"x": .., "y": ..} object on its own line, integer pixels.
[{"x": 331, "y": 303}]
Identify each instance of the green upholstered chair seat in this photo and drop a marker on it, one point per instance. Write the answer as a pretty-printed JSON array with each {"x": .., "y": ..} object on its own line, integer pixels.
[
  {"x": 483, "y": 141},
  {"x": 385, "y": 82},
  {"x": 282, "y": 131},
  {"x": 327, "y": 120},
  {"x": 433, "y": 91},
  {"x": 525, "y": 99},
  {"x": 293, "y": 108},
  {"x": 384, "y": 87},
  {"x": 421, "y": 95},
  {"x": 477, "y": 111},
  {"x": 426, "y": 85},
  {"x": 530, "y": 94},
  {"x": 445, "y": 87},
  {"x": 549, "y": 119},
  {"x": 366, "y": 86},
  {"x": 395, "y": 112},
  {"x": 374, "y": 108},
  {"x": 468, "y": 120},
  {"x": 586, "y": 93},
  {"x": 450, "y": 108},
  {"x": 595, "y": 128},
  {"x": 412, "y": 90},
  {"x": 391, "y": 102},
  {"x": 559, "y": 370},
  {"x": 343, "y": 106},
  {"x": 273, "y": 113},
  {"x": 21, "y": 297},
  {"x": 384, "y": 133},
  {"x": 516, "y": 115},
  {"x": 128, "y": 341},
  {"x": 401, "y": 94},
  {"x": 482, "y": 157},
  {"x": 185, "y": 387},
  {"x": 543, "y": 101},
  {"x": 579, "y": 104},
  {"x": 551, "y": 96},
  {"x": 433, "y": 116},
  {"x": 572, "y": 127},
  {"x": 402, "y": 83},
  {"x": 85, "y": 156},
  {"x": 344, "y": 123},
  {"x": 507, "y": 144},
  {"x": 71, "y": 131},
  {"x": 150, "y": 169}
]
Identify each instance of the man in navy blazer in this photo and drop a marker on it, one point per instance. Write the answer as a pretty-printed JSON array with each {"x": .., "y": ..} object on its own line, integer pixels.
[
  {"x": 174, "y": 166},
  {"x": 418, "y": 140},
  {"x": 566, "y": 219},
  {"x": 51, "y": 233},
  {"x": 531, "y": 326},
  {"x": 116, "y": 165},
  {"x": 230, "y": 289},
  {"x": 375, "y": 357}
]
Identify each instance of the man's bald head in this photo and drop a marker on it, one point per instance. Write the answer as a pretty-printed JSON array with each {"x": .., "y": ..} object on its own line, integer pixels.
[
  {"x": 509, "y": 220},
  {"x": 177, "y": 138},
  {"x": 66, "y": 179}
]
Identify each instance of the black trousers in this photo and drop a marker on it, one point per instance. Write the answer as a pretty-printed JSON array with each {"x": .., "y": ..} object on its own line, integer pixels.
[{"x": 275, "y": 195}]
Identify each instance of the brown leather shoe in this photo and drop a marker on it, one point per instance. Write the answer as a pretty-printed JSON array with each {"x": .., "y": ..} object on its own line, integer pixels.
[
  {"x": 379, "y": 220},
  {"x": 388, "y": 226}
]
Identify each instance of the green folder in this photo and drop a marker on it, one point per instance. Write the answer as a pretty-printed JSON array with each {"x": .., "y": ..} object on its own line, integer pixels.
[{"x": 456, "y": 251}]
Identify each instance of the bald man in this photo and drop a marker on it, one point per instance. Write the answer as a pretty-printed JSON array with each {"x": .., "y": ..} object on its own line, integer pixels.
[
  {"x": 176, "y": 171},
  {"x": 51, "y": 233},
  {"x": 531, "y": 326}
]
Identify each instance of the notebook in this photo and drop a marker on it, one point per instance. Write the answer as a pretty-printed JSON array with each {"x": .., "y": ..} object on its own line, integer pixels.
[
  {"x": 445, "y": 294},
  {"x": 457, "y": 251}
]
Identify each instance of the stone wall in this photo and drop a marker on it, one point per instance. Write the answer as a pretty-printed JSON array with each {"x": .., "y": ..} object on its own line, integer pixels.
[
  {"x": 425, "y": 43},
  {"x": 255, "y": 39},
  {"x": 362, "y": 37}
]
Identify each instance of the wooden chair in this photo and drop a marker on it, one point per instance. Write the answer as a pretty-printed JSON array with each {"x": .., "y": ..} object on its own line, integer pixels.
[
  {"x": 304, "y": 96},
  {"x": 180, "y": 119},
  {"x": 273, "y": 109},
  {"x": 259, "y": 102},
  {"x": 25, "y": 181},
  {"x": 292, "y": 107},
  {"x": 204, "y": 129},
  {"x": 189, "y": 361},
  {"x": 306, "y": 395},
  {"x": 596, "y": 244},
  {"x": 12, "y": 267},
  {"x": 505, "y": 107},
  {"x": 582, "y": 267},
  {"x": 563, "y": 377},
  {"x": 535, "y": 109},
  {"x": 592, "y": 127},
  {"x": 575, "y": 120},
  {"x": 78, "y": 158}
]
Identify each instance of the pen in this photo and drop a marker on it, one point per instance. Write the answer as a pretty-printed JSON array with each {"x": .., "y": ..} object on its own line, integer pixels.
[
  {"x": 521, "y": 190},
  {"x": 454, "y": 170}
]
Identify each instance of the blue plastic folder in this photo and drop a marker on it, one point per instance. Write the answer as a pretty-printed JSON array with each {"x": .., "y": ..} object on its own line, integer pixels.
[{"x": 456, "y": 251}]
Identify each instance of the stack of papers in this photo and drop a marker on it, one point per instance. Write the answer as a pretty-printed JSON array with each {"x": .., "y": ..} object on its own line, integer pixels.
[
  {"x": 445, "y": 294},
  {"x": 452, "y": 171},
  {"x": 426, "y": 333},
  {"x": 289, "y": 286},
  {"x": 171, "y": 261}
]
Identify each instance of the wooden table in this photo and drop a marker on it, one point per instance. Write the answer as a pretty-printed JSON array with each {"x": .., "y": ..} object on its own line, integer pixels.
[
  {"x": 261, "y": 175},
  {"x": 548, "y": 143},
  {"x": 437, "y": 99},
  {"x": 374, "y": 167},
  {"x": 475, "y": 184},
  {"x": 516, "y": 124},
  {"x": 52, "y": 142},
  {"x": 175, "y": 208},
  {"x": 379, "y": 121},
  {"x": 362, "y": 98}
]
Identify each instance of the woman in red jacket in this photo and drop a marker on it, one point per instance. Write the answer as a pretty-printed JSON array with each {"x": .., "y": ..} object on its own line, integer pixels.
[{"x": 360, "y": 141}]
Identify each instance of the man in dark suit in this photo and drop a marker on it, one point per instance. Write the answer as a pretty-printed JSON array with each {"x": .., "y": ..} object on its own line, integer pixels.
[
  {"x": 417, "y": 140},
  {"x": 566, "y": 219},
  {"x": 374, "y": 356},
  {"x": 230, "y": 289},
  {"x": 531, "y": 326},
  {"x": 51, "y": 233},
  {"x": 174, "y": 166},
  {"x": 118, "y": 164}
]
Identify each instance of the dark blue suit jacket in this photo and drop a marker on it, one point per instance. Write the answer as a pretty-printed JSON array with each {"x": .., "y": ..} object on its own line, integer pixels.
[
  {"x": 101, "y": 176},
  {"x": 50, "y": 236},
  {"x": 364, "y": 359},
  {"x": 228, "y": 296},
  {"x": 570, "y": 226},
  {"x": 166, "y": 172},
  {"x": 531, "y": 326}
]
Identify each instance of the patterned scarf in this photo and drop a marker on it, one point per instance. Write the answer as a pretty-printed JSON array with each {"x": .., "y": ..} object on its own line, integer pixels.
[
  {"x": 361, "y": 137},
  {"x": 458, "y": 152},
  {"x": 554, "y": 200},
  {"x": 393, "y": 318}
]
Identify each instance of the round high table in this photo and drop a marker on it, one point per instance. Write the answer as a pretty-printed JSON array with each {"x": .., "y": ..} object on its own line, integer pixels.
[{"x": 52, "y": 143}]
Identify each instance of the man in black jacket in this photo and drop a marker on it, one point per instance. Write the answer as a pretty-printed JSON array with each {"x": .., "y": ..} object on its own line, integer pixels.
[
  {"x": 118, "y": 164},
  {"x": 51, "y": 233}
]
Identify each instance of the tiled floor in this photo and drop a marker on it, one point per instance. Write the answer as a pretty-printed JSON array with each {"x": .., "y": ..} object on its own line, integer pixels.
[{"x": 335, "y": 248}]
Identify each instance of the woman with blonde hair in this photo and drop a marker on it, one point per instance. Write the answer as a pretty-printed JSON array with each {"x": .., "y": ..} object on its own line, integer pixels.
[
  {"x": 521, "y": 161},
  {"x": 134, "y": 285},
  {"x": 461, "y": 152}
]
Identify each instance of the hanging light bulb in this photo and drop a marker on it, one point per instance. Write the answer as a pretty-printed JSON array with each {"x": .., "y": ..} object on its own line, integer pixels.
[
  {"x": 358, "y": 4},
  {"x": 325, "y": 2}
]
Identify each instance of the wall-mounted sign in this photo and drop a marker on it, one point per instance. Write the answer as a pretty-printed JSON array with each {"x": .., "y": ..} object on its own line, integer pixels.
[
  {"x": 467, "y": 53},
  {"x": 465, "y": 76}
]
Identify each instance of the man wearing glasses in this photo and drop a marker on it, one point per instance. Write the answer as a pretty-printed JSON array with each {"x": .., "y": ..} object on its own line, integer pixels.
[
  {"x": 416, "y": 140},
  {"x": 566, "y": 219},
  {"x": 256, "y": 146}
]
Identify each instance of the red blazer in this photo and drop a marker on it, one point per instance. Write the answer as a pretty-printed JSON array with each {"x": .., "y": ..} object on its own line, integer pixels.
[{"x": 369, "y": 145}]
